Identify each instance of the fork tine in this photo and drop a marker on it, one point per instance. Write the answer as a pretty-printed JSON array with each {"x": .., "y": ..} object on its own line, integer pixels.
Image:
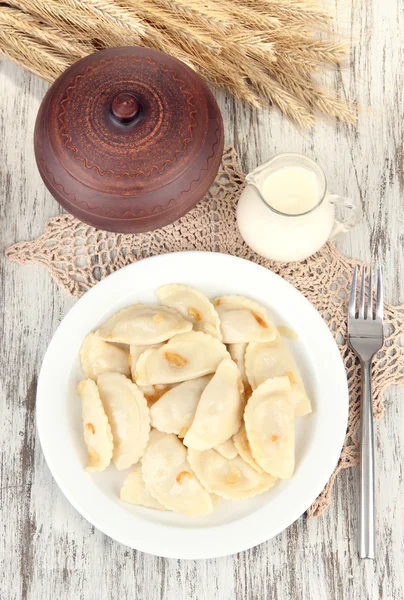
[
  {"x": 379, "y": 294},
  {"x": 362, "y": 294},
  {"x": 370, "y": 294},
  {"x": 352, "y": 297}
]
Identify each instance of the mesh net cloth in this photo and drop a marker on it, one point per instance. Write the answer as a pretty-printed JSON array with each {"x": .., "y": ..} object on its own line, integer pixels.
[{"x": 78, "y": 256}]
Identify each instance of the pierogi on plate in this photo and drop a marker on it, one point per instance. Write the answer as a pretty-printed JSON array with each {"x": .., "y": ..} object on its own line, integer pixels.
[
  {"x": 193, "y": 305},
  {"x": 198, "y": 397}
]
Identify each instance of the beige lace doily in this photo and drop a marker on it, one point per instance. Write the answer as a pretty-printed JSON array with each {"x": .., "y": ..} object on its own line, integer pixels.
[{"x": 77, "y": 256}]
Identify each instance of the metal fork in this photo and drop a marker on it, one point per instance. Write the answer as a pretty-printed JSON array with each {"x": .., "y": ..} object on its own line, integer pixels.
[{"x": 365, "y": 337}]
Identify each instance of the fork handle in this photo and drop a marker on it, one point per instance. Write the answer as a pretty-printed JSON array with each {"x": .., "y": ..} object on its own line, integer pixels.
[{"x": 366, "y": 486}]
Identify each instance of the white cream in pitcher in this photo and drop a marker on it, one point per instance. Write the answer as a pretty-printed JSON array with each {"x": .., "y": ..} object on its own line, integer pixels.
[
  {"x": 285, "y": 212},
  {"x": 291, "y": 190}
]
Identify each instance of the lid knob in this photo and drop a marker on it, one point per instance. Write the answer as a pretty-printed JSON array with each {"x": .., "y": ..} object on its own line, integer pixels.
[{"x": 125, "y": 107}]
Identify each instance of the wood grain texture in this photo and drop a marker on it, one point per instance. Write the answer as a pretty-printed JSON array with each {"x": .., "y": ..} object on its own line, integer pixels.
[{"x": 47, "y": 550}]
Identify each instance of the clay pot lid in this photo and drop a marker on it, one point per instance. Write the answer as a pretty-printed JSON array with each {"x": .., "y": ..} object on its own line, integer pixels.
[{"x": 127, "y": 134}]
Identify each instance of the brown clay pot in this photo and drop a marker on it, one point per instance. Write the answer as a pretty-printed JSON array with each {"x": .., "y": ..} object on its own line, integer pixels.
[{"x": 128, "y": 139}]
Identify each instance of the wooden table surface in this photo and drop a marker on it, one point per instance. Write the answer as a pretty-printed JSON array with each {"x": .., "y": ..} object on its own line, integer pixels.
[{"x": 47, "y": 550}]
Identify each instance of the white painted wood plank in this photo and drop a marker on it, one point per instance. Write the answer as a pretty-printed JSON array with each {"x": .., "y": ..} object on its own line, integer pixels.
[{"x": 46, "y": 549}]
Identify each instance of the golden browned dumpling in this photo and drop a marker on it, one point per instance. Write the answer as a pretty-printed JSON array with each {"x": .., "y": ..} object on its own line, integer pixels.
[
  {"x": 243, "y": 320},
  {"x": 134, "y": 491},
  {"x": 232, "y": 479},
  {"x": 128, "y": 415},
  {"x": 194, "y": 305},
  {"x": 97, "y": 356},
  {"x": 270, "y": 424},
  {"x": 97, "y": 431},
  {"x": 220, "y": 409},
  {"x": 183, "y": 357},
  {"x": 143, "y": 325},
  {"x": 274, "y": 359},
  {"x": 175, "y": 410},
  {"x": 170, "y": 479}
]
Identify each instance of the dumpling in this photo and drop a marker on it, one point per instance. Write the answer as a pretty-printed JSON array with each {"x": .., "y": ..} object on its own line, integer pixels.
[
  {"x": 242, "y": 446},
  {"x": 185, "y": 356},
  {"x": 97, "y": 356},
  {"x": 134, "y": 491},
  {"x": 220, "y": 409},
  {"x": 128, "y": 415},
  {"x": 153, "y": 393},
  {"x": 143, "y": 324},
  {"x": 232, "y": 479},
  {"x": 237, "y": 352},
  {"x": 175, "y": 410},
  {"x": 193, "y": 305},
  {"x": 134, "y": 354},
  {"x": 270, "y": 424},
  {"x": 97, "y": 431},
  {"x": 242, "y": 320},
  {"x": 274, "y": 359},
  {"x": 169, "y": 478},
  {"x": 227, "y": 449}
]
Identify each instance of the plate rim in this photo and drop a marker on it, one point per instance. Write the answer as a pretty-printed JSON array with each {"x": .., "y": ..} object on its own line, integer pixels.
[{"x": 206, "y": 553}]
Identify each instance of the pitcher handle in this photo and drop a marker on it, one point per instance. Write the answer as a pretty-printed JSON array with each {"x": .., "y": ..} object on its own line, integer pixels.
[{"x": 353, "y": 215}]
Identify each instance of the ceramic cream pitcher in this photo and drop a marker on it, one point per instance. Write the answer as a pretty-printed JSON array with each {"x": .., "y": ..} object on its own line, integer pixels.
[{"x": 286, "y": 212}]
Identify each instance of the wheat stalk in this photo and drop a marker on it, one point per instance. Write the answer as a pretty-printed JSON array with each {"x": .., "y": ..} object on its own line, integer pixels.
[
  {"x": 76, "y": 17},
  {"x": 52, "y": 37},
  {"x": 299, "y": 10},
  {"x": 211, "y": 66},
  {"x": 303, "y": 88},
  {"x": 261, "y": 51},
  {"x": 35, "y": 54}
]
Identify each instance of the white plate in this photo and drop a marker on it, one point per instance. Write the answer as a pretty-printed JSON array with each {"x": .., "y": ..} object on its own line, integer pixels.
[{"x": 233, "y": 526}]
